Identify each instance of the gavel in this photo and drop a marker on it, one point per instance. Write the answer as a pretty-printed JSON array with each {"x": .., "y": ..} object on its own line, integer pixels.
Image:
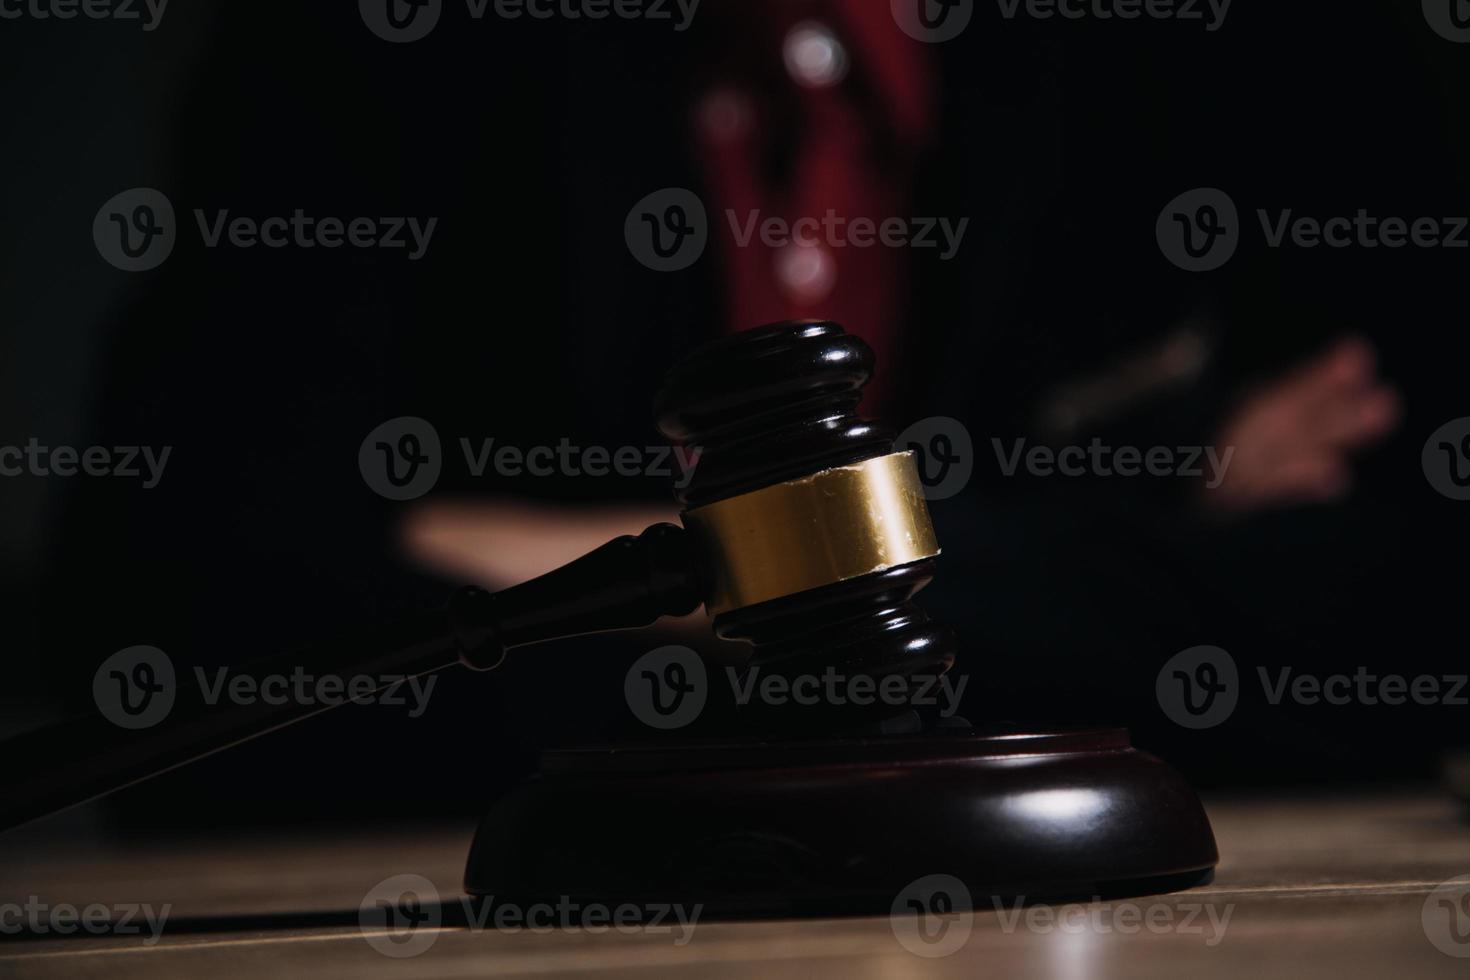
[
  {"x": 800, "y": 520},
  {"x": 807, "y": 535}
]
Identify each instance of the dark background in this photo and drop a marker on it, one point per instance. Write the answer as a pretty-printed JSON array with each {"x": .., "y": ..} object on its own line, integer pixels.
[{"x": 529, "y": 320}]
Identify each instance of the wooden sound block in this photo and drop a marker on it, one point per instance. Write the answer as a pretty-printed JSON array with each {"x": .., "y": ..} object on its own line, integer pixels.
[{"x": 844, "y": 826}]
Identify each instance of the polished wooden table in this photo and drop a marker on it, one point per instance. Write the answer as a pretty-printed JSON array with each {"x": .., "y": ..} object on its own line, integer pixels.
[{"x": 1332, "y": 887}]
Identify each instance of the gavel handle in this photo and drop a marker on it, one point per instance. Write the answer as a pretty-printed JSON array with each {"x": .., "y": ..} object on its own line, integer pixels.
[{"x": 627, "y": 583}]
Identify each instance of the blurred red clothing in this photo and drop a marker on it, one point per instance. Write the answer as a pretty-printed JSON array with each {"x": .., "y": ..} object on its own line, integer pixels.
[{"x": 814, "y": 112}]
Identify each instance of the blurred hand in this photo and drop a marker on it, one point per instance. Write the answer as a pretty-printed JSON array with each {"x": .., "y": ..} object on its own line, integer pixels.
[
  {"x": 500, "y": 543},
  {"x": 1293, "y": 439}
]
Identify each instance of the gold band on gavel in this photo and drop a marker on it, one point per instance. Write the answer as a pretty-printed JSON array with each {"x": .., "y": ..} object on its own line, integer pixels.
[{"x": 828, "y": 527}]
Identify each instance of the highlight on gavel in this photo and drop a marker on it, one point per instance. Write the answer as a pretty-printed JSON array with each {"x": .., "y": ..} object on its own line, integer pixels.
[{"x": 807, "y": 535}]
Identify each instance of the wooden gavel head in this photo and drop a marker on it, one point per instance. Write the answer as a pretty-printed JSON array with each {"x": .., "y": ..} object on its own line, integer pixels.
[
  {"x": 805, "y": 534},
  {"x": 810, "y": 535}
]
